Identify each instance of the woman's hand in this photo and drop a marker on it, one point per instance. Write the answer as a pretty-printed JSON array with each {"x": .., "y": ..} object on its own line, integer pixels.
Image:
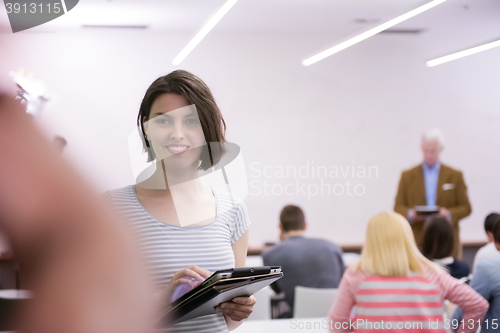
[
  {"x": 190, "y": 277},
  {"x": 238, "y": 308}
]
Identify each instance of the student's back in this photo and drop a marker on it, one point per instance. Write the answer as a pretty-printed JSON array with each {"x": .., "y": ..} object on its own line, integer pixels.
[
  {"x": 416, "y": 300},
  {"x": 489, "y": 250},
  {"x": 307, "y": 262},
  {"x": 438, "y": 246},
  {"x": 394, "y": 288},
  {"x": 458, "y": 269},
  {"x": 486, "y": 281}
]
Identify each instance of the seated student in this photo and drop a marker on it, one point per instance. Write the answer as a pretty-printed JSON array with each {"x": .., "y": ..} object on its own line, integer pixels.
[
  {"x": 393, "y": 282},
  {"x": 489, "y": 250},
  {"x": 486, "y": 281},
  {"x": 307, "y": 262},
  {"x": 438, "y": 246}
]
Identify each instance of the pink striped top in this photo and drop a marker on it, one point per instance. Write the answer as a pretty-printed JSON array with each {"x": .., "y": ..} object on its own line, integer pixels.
[{"x": 401, "y": 304}]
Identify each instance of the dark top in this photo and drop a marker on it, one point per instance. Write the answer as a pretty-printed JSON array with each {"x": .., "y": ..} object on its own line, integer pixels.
[
  {"x": 307, "y": 262},
  {"x": 486, "y": 281},
  {"x": 458, "y": 269}
]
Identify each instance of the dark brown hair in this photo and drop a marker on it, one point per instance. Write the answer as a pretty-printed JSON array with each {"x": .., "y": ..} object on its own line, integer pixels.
[
  {"x": 196, "y": 92},
  {"x": 292, "y": 218},
  {"x": 490, "y": 221},
  {"x": 496, "y": 232},
  {"x": 438, "y": 239}
]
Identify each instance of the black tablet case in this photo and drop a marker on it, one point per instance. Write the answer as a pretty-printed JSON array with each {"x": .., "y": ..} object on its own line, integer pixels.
[{"x": 201, "y": 300}]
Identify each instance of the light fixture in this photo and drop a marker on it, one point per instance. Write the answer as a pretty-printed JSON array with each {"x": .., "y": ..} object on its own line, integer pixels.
[
  {"x": 204, "y": 31},
  {"x": 370, "y": 33},
  {"x": 461, "y": 54}
]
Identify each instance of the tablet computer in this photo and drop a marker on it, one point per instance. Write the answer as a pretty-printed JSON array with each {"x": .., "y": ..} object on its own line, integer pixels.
[
  {"x": 221, "y": 286},
  {"x": 425, "y": 210}
]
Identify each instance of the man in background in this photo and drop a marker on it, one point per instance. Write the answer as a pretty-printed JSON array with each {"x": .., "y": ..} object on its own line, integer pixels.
[
  {"x": 432, "y": 183},
  {"x": 307, "y": 262},
  {"x": 489, "y": 250}
]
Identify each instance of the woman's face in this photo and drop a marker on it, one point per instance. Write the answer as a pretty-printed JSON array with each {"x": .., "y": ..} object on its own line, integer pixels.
[{"x": 175, "y": 132}]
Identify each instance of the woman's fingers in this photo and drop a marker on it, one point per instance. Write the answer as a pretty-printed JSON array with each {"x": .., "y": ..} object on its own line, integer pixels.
[
  {"x": 180, "y": 281},
  {"x": 250, "y": 300},
  {"x": 191, "y": 276},
  {"x": 201, "y": 271},
  {"x": 234, "y": 314},
  {"x": 188, "y": 272},
  {"x": 238, "y": 309}
]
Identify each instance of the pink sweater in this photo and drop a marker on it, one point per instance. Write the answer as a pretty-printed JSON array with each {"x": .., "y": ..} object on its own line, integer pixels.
[{"x": 402, "y": 304}]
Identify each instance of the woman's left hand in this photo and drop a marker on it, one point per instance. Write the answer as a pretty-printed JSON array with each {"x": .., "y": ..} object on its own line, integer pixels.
[{"x": 238, "y": 308}]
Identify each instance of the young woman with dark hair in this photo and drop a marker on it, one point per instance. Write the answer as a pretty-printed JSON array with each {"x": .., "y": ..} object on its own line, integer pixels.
[
  {"x": 187, "y": 228},
  {"x": 438, "y": 246}
]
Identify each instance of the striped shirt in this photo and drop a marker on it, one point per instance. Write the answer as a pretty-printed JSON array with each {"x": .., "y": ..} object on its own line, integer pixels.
[
  {"x": 168, "y": 248},
  {"x": 402, "y": 304}
]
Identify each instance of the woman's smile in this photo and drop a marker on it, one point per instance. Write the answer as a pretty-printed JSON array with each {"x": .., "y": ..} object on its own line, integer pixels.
[{"x": 177, "y": 149}]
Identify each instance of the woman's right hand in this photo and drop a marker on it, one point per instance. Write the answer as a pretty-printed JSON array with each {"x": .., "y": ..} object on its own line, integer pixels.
[{"x": 190, "y": 277}]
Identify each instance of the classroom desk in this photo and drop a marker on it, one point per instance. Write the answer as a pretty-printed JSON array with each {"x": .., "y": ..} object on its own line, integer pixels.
[
  {"x": 469, "y": 250},
  {"x": 307, "y": 325}
]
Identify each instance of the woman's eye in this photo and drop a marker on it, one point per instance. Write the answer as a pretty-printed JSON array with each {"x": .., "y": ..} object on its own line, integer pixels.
[
  {"x": 192, "y": 121},
  {"x": 161, "y": 120}
]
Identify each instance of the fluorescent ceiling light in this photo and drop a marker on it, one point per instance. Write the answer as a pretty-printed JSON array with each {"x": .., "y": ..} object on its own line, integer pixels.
[
  {"x": 370, "y": 33},
  {"x": 204, "y": 31},
  {"x": 461, "y": 54}
]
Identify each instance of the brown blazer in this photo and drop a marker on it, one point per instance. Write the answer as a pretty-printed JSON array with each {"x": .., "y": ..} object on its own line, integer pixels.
[{"x": 411, "y": 193}]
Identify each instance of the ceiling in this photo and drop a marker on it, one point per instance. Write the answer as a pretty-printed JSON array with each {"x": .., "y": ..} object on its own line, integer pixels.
[{"x": 476, "y": 19}]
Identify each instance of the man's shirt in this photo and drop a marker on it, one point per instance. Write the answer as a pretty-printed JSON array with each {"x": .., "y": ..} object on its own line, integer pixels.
[{"x": 431, "y": 177}]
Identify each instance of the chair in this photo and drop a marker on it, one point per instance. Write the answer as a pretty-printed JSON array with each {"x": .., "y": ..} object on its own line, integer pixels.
[
  {"x": 262, "y": 309},
  {"x": 313, "y": 302}
]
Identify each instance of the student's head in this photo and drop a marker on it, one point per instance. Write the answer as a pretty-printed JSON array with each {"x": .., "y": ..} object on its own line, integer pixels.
[
  {"x": 390, "y": 248},
  {"x": 489, "y": 223},
  {"x": 172, "y": 128},
  {"x": 438, "y": 239},
  {"x": 496, "y": 235},
  {"x": 292, "y": 219}
]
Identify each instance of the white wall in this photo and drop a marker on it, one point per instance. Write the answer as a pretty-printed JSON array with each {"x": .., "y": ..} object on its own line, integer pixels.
[{"x": 366, "y": 106}]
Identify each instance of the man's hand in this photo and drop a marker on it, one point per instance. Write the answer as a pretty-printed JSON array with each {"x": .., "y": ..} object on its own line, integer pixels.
[
  {"x": 417, "y": 217},
  {"x": 445, "y": 213},
  {"x": 238, "y": 308}
]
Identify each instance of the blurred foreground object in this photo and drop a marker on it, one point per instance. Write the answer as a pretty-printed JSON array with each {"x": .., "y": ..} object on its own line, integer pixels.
[
  {"x": 32, "y": 93},
  {"x": 59, "y": 143},
  {"x": 80, "y": 263}
]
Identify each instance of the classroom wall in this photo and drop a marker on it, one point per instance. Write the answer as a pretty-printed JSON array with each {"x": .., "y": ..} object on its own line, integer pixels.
[{"x": 364, "y": 108}]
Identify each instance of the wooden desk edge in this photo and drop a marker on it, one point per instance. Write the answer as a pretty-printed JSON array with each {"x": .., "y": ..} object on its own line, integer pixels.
[{"x": 256, "y": 251}]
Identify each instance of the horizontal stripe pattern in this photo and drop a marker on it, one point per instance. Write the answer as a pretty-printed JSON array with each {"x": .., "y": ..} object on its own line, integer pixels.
[
  {"x": 401, "y": 300},
  {"x": 390, "y": 298},
  {"x": 401, "y": 291},
  {"x": 402, "y": 285},
  {"x": 398, "y": 310},
  {"x": 398, "y": 298},
  {"x": 167, "y": 249},
  {"x": 398, "y": 324},
  {"x": 395, "y": 330}
]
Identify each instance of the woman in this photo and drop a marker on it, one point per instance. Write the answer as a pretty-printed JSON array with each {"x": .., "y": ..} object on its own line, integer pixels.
[
  {"x": 394, "y": 287},
  {"x": 438, "y": 247},
  {"x": 188, "y": 230}
]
